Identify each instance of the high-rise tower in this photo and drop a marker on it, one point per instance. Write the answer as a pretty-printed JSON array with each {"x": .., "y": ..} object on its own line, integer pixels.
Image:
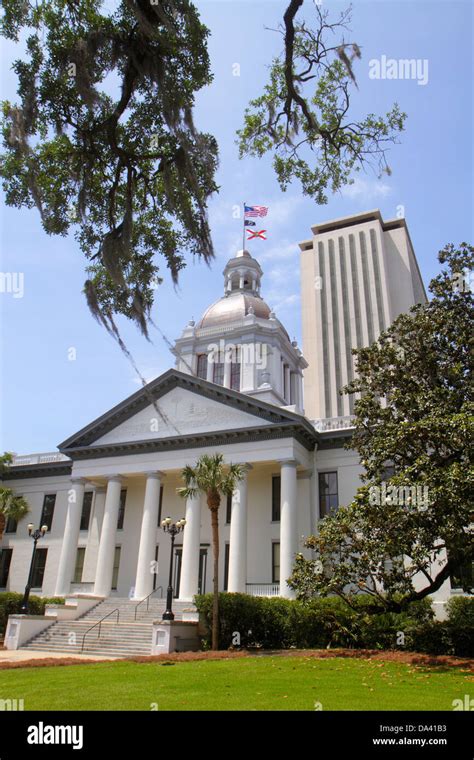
[{"x": 358, "y": 273}]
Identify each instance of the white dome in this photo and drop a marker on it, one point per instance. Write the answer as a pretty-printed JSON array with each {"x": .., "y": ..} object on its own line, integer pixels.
[{"x": 234, "y": 307}]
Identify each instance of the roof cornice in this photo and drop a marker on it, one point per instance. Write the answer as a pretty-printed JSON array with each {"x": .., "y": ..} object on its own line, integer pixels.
[
  {"x": 198, "y": 440},
  {"x": 45, "y": 470}
]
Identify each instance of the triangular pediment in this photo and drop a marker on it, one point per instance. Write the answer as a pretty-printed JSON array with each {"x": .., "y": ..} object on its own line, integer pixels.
[
  {"x": 179, "y": 412},
  {"x": 179, "y": 406}
]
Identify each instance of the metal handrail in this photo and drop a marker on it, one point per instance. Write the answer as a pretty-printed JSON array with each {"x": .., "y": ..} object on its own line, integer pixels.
[
  {"x": 147, "y": 599},
  {"x": 99, "y": 623}
]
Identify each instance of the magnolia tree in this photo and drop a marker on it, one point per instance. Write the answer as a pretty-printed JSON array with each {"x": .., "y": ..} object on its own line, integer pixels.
[{"x": 410, "y": 526}]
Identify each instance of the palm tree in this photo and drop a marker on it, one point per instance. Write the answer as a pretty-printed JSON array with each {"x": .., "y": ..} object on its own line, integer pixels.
[
  {"x": 213, "y": 477},
  {"x": 11, "y": 506}
]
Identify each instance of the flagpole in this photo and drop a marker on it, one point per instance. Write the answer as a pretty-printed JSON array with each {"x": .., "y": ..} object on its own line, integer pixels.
[{"x": 243, "y": 230}]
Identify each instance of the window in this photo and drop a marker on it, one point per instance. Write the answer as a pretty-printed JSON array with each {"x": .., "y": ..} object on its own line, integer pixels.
[
  {"x": 81, "y": 553},
  {"x": 121, "y": 513},
  {"x": 11, "y": 525},
  {"x": 160, "y": 506},
  {"x": 228, "y": 509},
  {"x": 226, "y": 565},
  {"x": 328, "y": 495},
  {"x": 218, "y": 376},
  {"x": 115, "y": 571},
  {"x": 275, "y": 562},
  {"x": 48, "y": 510},
  {"x": 235, "y": 376},
  {"x": 86, "y": 510},
  {"x": 5, "y": 559},
  {"x": 39, "y": 564},
  {"x": 202, "y": 366},
  {"x": 463, "y": 576},
  {"x": 276, "y": 492}
]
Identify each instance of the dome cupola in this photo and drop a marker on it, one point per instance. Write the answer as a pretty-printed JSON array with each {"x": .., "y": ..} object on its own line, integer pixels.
[
  {"x": 240, "y": 344},
  {"x": 242, "y": 279}
]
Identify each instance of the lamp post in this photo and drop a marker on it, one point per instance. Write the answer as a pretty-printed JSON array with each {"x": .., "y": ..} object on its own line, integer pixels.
[
  {"x": 35, "y": 535},
  {"x": 173, "y": 529}
]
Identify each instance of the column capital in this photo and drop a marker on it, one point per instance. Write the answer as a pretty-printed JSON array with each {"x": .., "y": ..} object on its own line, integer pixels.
[
  {"x": 116, "y": 478},
  {"x": 289, "y": 461},
  {"x": 154, "y": 474},
  {"x": 78, "y": 480},
  {"x": 99, "y": 489}
]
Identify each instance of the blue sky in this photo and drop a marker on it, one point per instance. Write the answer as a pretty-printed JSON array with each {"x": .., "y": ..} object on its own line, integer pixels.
[{"x": 46, "y": 397}]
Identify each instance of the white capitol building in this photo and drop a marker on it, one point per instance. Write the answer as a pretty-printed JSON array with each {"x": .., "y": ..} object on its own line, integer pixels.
[{"x": 241, "y": 387}]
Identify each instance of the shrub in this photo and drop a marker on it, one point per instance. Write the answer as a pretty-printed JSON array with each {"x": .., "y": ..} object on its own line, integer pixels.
[
  {"x": 275, "y": 623},
  {"x": 461, "y": 610},
  {"x": 10, "y": 603},
  {"x": 429, "y": 638},
  {"x": 460, "y": 625},
  {"x": 454, "y": 636}
]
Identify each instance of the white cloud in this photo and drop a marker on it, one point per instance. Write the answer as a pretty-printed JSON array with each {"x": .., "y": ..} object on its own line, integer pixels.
[
  {"x": 280, "y": 211},
  {"x": 366, "y": 190},
  {"x": 280, "y": 301},
  {"x": 284, "y": 251},
  {"x": 283, "y": 274}
]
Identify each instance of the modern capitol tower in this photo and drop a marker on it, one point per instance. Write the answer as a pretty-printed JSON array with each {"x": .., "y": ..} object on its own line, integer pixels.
[
  {"x": 358, "y": 273},
  {"x": 236, "y": 389}
]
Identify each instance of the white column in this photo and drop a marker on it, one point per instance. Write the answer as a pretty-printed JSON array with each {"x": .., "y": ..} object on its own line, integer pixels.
[
  {"x": 210, "y": 367},
  {"x": 276, "y": 369},
  {"x": 146, "y": 551},
  {"x": 67, "y": 559},
  {"x": 191, "y": 546},
  {"x": 237, "y": 581},
  {"x": 298, "y": 392},
  {"x": 93, "y": 536},
  {"x": 288, "y": 525},
  {"x": 105, "y": 559},
  {"x": 287, "y": 382},
  {"x": 227, "y": 367},
  {"x": 301, "y": 392}
]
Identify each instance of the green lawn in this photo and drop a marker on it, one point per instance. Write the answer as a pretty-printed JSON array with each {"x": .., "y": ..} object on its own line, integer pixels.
[{"x": 254, "y": 683}]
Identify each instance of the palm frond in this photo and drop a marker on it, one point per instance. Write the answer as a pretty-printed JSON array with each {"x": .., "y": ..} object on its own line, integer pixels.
[
  {"x": 12, "y": 505},
  {"x": 210, "y": 474}
]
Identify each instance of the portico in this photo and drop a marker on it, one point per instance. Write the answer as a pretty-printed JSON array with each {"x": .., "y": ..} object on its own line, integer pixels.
[{"x": 245, "y": 524}]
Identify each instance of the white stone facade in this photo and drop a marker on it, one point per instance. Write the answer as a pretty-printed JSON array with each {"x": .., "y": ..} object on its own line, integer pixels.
[{"x": 238, "y": 389}]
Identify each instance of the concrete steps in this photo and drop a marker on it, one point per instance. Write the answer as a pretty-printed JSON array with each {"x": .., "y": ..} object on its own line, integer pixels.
[{"x": 125, "y": 638}]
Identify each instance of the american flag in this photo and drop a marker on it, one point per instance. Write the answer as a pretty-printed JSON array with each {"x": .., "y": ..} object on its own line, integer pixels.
[{"x": 256, "y": 210}]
